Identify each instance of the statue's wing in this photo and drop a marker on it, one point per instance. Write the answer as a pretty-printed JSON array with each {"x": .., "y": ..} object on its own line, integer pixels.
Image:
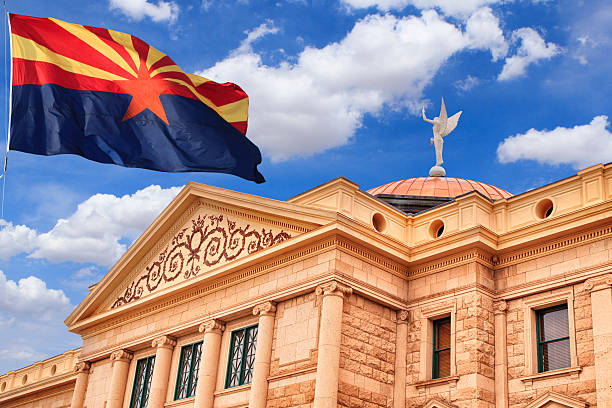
[
  {"x": 443, "y": 115},
  {"x": 451, "y": 123}
]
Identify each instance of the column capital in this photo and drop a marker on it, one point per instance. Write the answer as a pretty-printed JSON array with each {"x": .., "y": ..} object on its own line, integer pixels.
[
  {"x": 121, "y": 355},
  {"x": 402, "y": 316},
  {"x": 164, "y": 342},
  {"x": 500, "y": 307},
  {"x": 82, "y": 367},
  {"x": 265, "y": 309},
  {"x": 333, "y": 288},
  {"x": 212, "y": 326},
  {"x": 598, "y": 283}
]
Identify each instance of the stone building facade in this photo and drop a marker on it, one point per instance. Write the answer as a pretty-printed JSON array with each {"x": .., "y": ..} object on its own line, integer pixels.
[{"x": 337, "y": 298}]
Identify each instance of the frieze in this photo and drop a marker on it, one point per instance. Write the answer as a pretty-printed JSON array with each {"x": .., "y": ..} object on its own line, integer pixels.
[{"x": 211, "y": 239}]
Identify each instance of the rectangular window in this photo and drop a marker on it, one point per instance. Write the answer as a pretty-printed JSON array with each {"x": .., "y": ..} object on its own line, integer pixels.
[
  {"x": 241, "y": 356},
  {"x": 552, "y": 331},
  {"x": 441, "y": 366},
  {"x": 142, "y": 382},
  {"x": 189, "y": 365}
]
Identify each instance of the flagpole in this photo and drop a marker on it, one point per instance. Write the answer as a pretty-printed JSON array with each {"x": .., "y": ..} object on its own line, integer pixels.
[{"x": 9, "y": 102}]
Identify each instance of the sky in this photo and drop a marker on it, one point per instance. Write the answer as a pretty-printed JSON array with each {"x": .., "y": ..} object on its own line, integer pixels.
[{"x": 336, "y": 89}]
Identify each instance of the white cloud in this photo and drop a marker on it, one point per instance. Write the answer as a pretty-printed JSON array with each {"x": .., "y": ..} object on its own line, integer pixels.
[
  {"x": 94, "y": 232},
  {"x": 139, "y": 9},
  {"x": 15, "y": 239},
  {"x": 316, "y": 103},
  {"x": 468, "y": 83},
  {"x": 254, "y": 35},
  {"x": 532, "y": 49},
  {"x": 484, "y": 32},
  {"x": 448, "y": 7},
  {"x": 31, "y": 297},
  {"x": 580, "y": 146}
]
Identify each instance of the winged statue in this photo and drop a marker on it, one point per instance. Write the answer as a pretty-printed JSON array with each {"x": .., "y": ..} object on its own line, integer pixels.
[{"x": 442, "y": 126}]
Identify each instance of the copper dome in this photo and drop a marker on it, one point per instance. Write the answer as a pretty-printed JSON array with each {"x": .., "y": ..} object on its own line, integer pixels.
[{"x": 439, "y": 187}]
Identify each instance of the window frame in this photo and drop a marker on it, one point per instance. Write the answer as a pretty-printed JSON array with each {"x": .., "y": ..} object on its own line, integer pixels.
[
  {"x": 540, "y": 342},
  {"x": 533, "y": 303},
  {"x": 230, "y": 354},
  {"x": 192, "y": 372},
  {"x": 428, "y": 316},
  {"x": 435, "y": 372},
  {"x": 149, "y": 362}
]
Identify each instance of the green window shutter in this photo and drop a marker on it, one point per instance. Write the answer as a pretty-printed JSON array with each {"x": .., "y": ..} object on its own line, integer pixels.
[
  {"x": 189, "y": 365},
  {"x": 441, "y": 348},
  {"x": 552, "y": 332},
  {"x": 142, "y": 382},
  {"x": 243, "y": 343}
]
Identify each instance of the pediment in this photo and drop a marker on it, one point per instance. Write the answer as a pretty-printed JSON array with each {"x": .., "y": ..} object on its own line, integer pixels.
[
  {"x": 556, "y": 400},
  {"x": 437, "y": 403},
  {"x": 206, "y": 237},
  {"x": 202, "y": 229}
]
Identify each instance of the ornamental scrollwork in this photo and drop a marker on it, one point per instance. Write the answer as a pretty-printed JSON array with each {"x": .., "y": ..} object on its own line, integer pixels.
[{"x": 209, "y": 240}]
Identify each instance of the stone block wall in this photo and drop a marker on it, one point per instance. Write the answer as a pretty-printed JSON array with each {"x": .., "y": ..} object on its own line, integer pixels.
[
  {"x": 522, "y": 389},
  {"x": 98, "y": 384},
  {"x": 367, "y": 354},
  {"x": 472, "y": 382}
]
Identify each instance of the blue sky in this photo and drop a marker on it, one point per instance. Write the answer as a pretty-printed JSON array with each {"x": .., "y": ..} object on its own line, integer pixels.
[{"x": 336, "y": 89}]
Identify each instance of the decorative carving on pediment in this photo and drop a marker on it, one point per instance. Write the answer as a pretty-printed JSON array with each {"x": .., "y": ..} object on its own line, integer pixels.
[{"x": 211, "y": 239}]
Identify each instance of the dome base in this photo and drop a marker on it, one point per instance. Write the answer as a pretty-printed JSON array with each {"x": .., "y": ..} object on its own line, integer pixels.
[{"x": 437, "y": 171}]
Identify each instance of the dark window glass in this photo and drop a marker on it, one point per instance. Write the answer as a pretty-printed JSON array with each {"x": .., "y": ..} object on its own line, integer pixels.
[
  {"x": 552, "y": 328},
  {"x": 441, "y": 348},
  {"x": 188, "y": 371},
  {"x": 241, "y": 357},
  {"x": 142, "y": 382}
]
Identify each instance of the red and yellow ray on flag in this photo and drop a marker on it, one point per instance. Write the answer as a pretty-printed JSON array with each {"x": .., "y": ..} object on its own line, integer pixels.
[{"x": 51, "y": 51}]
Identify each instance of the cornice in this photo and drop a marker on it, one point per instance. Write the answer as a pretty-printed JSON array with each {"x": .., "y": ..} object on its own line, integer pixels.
[
  {"x": 553, "y": 246},
  {"x": 477, "y": 255},
  {"x": 48, "y": 387}
]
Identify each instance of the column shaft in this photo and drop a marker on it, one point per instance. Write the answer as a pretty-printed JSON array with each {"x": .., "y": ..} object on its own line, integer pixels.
[
  {"x": 209, "y": 362},
  {"x": 161, "y": 371},
  {"x": 399, "y": 385},
  {"x": 328, "y": 360},
  {"x": 501, "y": 355},
  {"x": 601, "y": 305},
  {"x": 121, "y": 364},
  {"x": 263, "y": 353},
  {"x": 80, "y": 387}
]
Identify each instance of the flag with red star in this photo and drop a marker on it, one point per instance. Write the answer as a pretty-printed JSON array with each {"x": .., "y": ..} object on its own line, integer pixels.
[{"x": 112, "y": 98}]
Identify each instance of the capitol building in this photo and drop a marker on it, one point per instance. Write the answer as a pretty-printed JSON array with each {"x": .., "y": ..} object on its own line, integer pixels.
[{"x": 433, "y": 292}]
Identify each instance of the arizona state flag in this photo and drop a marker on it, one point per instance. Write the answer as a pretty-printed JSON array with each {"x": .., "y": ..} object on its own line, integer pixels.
[{"x": 112, "y": 98}]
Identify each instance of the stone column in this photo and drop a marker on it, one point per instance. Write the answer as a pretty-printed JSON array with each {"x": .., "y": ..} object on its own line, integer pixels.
[
  {"x": 399, "y": 386},
  {"x": 263, "y": 353},
  {"x": 119, "y": 377},
  {"x": 328, "y": 360},
  {"x": 601, "y": 306},
  {"x": 161, "y": 371},
  {"x": 209, "y": 363},
  {"x": 80, "y": 387},
  {"x": 501, "y": 354}
]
